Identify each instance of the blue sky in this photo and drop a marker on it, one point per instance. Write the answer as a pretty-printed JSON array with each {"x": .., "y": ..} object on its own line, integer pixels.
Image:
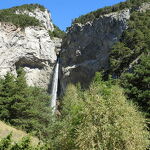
[{"x": 63, "y": 11}]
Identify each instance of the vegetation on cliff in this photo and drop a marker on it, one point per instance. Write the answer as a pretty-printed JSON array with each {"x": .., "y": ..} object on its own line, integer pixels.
[
  {"x": 20, "y": 20},
  {"x": 57, "y": 33},
  {"x": 133, "y": 43},
  {"x": 130, "y": 60},
  {"x": 132, "y": 4},
  {"x": 27, "y": 7}
]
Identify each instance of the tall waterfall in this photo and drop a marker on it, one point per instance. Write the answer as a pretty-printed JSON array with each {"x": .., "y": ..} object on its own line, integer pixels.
[{"x": 54, "y": 88}]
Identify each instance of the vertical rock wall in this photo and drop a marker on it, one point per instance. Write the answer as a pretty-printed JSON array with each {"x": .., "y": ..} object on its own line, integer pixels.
[
  {"x": 86, "y": 47},
  {"x": 31, "y": 48}
]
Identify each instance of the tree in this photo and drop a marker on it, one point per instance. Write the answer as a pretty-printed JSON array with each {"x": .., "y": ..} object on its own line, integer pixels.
[
  {"x": 100, "y": 118},
  {"x": 137, "y": 83},
  {"x": 24, "y": 107}
]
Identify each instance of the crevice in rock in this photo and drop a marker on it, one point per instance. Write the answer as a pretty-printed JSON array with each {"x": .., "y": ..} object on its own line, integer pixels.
[{"x": 30, "y": 63}]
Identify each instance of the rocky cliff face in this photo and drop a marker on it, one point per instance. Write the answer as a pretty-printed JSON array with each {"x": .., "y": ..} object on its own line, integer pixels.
[
  {"x": 30, "y": 48},
  {"x": 144, "y": 7},
  {"x": 86, "y": 47}
]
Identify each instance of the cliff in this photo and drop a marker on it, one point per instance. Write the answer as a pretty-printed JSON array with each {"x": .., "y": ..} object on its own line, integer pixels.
[
  {"x": 87, "y": 46},
  {"x": 31, "y": 48},
  {"x": 42, "y": 15}
]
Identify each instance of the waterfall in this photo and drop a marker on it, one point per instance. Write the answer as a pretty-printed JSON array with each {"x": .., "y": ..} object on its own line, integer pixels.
[{"x": 54, "y": 88}]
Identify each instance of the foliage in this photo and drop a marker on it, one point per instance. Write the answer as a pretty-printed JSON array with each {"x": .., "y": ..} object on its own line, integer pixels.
[
  {"x": 134, "y": 42},
  {"x": 21, "y": 20},
  {"x": 129, "y": 59},
  {"x": 133, "y": 4},
  {"x": 24, "y": 107},
  {"x": 99, "y": 118},
  {"x": 25, "y": 144},
  {"x": 18, "y": 19},
  {"x": 57, "y": 33},
  {"x": 137, "y": 83},
  {"x": 29, "y": 7}
]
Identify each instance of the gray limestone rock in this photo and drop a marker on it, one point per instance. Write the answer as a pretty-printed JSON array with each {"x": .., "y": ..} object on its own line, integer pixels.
[
  {"x": 86, "y": 47},
  {"x": 32, "y": 49}
]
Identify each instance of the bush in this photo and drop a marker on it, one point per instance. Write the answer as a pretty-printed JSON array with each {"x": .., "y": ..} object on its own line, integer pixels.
[
  {"x": 57, "y": 33},
  {"x": 29, "y": 7},
  {"x": 21, "y": 20},
  {"x": 7, "y": 143},
  {"x": 100, "y": 118}
]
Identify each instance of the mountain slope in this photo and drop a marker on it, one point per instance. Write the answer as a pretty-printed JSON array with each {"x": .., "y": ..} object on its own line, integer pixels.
[
  {"x": 17, "y": 135},
  {"x": 131, "y": 4},
  {"x": 116, "y": 43}
]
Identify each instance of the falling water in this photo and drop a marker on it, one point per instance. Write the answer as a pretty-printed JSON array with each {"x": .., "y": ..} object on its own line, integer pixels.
[{"x": 55, "y": 87}]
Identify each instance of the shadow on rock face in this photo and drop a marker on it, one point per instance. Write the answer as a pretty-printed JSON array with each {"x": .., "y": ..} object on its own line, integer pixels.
[{"x": 30, "y": 63}]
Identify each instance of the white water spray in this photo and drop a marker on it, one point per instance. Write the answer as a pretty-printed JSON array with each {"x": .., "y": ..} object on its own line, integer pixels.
[{"x": 54, "y": 88}]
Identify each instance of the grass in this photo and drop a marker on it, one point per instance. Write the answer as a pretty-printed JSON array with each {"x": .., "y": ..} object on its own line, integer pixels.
[{"x": 17, "y": 135}]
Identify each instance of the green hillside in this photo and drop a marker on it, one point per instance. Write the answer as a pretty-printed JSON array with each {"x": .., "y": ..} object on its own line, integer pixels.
[
  {"x": 132, "y": 4},
  {"x": 17, "y": 135},
  {"x": 130, "y": 60},
  {"x": 20, "y": 20}
]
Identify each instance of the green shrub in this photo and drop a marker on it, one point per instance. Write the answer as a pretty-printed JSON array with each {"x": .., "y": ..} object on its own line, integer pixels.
[
  {"x": 7, "y": 143},
  {"x": 57, "y": 33},
  {"x": 110, "y": 121},
  {"x": 21, "y": 20},
  {"x": 99, "y": 118},
  {"x": 29, "y": 7}
]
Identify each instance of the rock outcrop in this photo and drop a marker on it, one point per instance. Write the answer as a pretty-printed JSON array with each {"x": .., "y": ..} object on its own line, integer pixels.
[
  {"x": 84, "y": 51},
  {"x": 31, "y": 49},
  {"x": 144, "y": 7},
  {"x": 86, "y": 47}
]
